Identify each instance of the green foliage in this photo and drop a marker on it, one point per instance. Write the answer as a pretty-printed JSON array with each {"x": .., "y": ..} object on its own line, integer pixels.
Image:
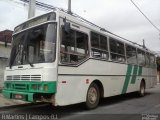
[{"x": 158, "y": 63}]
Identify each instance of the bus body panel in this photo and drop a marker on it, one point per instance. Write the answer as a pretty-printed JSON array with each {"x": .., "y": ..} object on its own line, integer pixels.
[{"x": 72, "y": 87}]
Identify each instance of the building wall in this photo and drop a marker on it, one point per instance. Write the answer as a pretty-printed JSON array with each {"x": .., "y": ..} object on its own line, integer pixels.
[
  {"x": 5, "y": 48},
  {"x": 6, "y": 36},
  {"x": 4, "y": 55},
  {"x": 3, "y": 64}
]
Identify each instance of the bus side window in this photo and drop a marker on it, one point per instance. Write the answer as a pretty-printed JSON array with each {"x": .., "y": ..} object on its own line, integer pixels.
[
  {"x": 117, "y": 50},
  {"x": 131, "y": 54},
  {"x": 147, "y": 56},
  {"x": 152, "y": 61},
  {"x": 141, "y": 57},
  {"x": 99, "y": 46},
  {"x": 74, "y": 46}
]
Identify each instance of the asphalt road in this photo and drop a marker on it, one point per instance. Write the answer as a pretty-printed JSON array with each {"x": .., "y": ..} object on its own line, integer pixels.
[{"x": 125, "y": 107}]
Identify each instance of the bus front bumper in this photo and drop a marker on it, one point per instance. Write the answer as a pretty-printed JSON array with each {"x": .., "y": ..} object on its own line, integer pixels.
[
  {"x": 18, "y": 95},
  {"x": 29, "y": 97},
  {"x": 29, "y": 91}
]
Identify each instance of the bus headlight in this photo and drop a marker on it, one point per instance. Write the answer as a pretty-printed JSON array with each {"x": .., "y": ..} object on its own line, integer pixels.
[
  {"x": 40, "y": 87},
  {"x": 34, "y": 87},
  {"x": 45, "y": 88}
]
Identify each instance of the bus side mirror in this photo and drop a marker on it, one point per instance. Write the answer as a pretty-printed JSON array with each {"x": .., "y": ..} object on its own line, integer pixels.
[{"x": 67, "y": 26}]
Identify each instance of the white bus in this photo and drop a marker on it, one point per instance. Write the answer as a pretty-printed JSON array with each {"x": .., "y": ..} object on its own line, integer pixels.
[{"x": 63, "y": 59}]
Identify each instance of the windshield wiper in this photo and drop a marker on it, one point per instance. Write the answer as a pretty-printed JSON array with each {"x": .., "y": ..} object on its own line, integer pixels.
[
  {"x": 31, "y": 64},
  {"x": 25, "y": 43},
  {"x": 24, "y": 54},
  {"x": 13, "y": 57},
  {"x": 14, "y": 53}
]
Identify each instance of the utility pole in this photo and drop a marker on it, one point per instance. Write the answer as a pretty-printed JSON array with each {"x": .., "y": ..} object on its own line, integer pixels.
[
  {"x": 144, "y": 46},
  {"x": 32, "y": 7},
  {"x": 69, "y": 7}
]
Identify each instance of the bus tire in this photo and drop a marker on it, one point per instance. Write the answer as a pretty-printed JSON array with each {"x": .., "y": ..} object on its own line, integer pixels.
[
  {"x": 93, "y": 96},
  {"x": 141, "y": 91}
]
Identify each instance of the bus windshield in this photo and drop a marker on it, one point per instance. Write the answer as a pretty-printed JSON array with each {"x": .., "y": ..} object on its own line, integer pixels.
[{"x": 35, "y": 45}]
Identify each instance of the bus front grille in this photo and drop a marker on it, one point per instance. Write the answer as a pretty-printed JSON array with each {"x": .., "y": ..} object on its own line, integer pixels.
[
  {"x": 21, "y": 87},
  {"x": 24, "y": 77}
]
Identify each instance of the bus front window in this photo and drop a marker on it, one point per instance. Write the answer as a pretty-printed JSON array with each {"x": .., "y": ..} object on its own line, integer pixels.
[{"x": 36, "y": 45}]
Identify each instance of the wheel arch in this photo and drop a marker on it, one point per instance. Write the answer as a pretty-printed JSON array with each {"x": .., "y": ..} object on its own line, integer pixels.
[
  {"x": 143, "y": 80},
  {"x": 100, "y": 86}
]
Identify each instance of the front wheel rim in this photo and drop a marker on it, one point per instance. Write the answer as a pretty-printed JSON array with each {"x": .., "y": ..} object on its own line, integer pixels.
[{"x": 92, "y": 95}]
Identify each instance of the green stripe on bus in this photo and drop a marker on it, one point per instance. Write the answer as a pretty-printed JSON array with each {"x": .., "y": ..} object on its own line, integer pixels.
[
  {"x": 127, "y": 78},
  {"x": 140, "y": 71},
  {"x": 133, "y": 80}
]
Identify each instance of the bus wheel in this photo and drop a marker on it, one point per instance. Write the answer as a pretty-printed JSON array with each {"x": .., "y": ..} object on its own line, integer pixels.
[
  {"x": 93, "y": 96},
  {"x": 142, "y": 89}
]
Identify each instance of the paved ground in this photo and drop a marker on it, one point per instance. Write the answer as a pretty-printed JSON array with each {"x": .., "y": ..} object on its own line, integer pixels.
[{"x": 126, "y": 107}]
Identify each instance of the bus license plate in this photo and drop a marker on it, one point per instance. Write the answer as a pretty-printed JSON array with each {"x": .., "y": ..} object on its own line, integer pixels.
[{"x": 18, "y": 96}]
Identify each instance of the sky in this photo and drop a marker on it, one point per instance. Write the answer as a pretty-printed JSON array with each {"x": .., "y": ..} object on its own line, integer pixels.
[{"x": 118, "y": 16}]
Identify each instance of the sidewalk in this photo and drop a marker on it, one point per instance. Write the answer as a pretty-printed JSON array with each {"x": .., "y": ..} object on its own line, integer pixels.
[{"x": 4, "y": 102}]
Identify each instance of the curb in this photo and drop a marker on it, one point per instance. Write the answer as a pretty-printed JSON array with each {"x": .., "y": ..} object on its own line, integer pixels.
[{"x": 20, "y": 106}]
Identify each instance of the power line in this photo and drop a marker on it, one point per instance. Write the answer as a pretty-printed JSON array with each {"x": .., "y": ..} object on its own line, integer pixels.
[
  {"x": 41, "y": 5},
  {"x": 146, "y": 16}
]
